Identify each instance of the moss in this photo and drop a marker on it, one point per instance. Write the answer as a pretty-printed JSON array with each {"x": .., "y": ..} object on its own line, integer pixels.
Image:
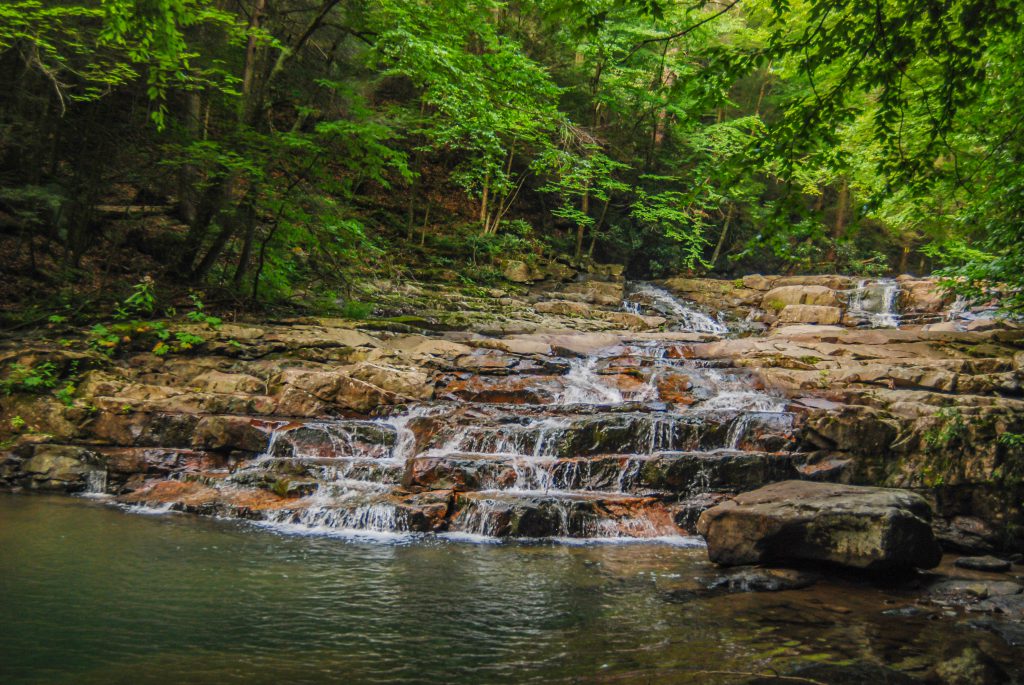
[{"x": 775, "y": 305}]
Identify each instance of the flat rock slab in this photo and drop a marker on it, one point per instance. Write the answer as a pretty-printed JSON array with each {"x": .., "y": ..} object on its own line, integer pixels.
[
  {"x": 797, "y": 522},
  {"x": 986, "y": 563}
]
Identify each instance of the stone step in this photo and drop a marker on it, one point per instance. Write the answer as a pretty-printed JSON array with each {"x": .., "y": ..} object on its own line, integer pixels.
[
  {"x": 625, "y": 433},
  {"x": 576, "y": 515},
  {"x": 666, "y": 474}
]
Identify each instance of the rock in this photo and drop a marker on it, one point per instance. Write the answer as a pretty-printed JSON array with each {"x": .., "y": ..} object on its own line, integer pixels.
[
  {"x": 1009, "y": 605},
  {"x": 922, "y": 296},
  {"x": 229, "y": 433},
  {"x": 521, "y": 272},
  {"x": 216, "y": 381},
  {"x": 799, "y": 522},
  {"x": 599, "y": 292},
  {"x": 563, "y": 308},
  {"x": 634, "y": 322},
  {"x": 777, "y": 298},
  {"x": 757, "y": 282},
  {"x": 408, "y": 382},
  {"x": 310, "y": 392},
  {"x": 987, "y": 563},
  {"x": 763, "y": 580},
  {"x": 970, "y": 667},
  {"x": 967, "y": 591},
  {"x": 59, "y": 467},
  {"x": 810, "y": 313}
]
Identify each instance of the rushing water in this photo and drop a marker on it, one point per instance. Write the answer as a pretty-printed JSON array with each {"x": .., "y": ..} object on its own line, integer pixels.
[
  {"x": 875, "y": 303},
  {"x": 91, "y": 595},
  {"x": 684, "y": 317}
]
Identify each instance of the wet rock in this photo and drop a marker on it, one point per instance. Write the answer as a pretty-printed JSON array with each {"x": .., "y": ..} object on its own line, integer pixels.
[
  {"x": 795, "y": 522},
  {"x": 1010, "y": 605},
  {"x": 763, "y": 580},
  {"x": 987, "y": 563},
  {"x": 969, "y": 667},
  {"x": 810, "y": 313},
  {"x": 59, "y": 467},
  {"x": 969, "y": 591},
  {"x": 229, "y": 432}
]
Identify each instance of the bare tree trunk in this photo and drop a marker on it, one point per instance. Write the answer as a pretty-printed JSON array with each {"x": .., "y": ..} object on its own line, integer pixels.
[
  {"x": 597, "y": 227},
  {"x": 721, "y": 237},
  {"x": 483, "y": 203},
  {"x": 584, "y": 207}
]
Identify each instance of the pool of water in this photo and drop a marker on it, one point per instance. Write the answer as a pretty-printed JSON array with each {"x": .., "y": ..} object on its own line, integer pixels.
[{"x": 91, "y": 594}]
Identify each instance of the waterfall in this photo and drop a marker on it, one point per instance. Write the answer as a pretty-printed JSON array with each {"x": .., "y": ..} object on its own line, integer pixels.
[
  {"x": 588, "y": 466},
  {"x": 875, "y": 302},
  {"x": 96, "y": 482},
  {"x": 583, "y": 385},
  {"x": 686, "y": 317}
]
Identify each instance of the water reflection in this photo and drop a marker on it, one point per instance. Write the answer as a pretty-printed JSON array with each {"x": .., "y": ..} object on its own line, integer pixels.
[{"x": 93, "y": 596}]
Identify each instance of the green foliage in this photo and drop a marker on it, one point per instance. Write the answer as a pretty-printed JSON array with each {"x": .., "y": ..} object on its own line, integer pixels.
[
  {"x": 949, "y": 429},
  {"x": 353, "y": 309},
  {"x": 141, "y": 301},
  {"x": 39, "y": 378},
  {"x": 768, "y": 135}
]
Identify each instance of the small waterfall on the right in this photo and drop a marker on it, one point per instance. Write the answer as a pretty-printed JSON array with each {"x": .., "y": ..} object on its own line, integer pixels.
[{"x": 874, "y": 303}]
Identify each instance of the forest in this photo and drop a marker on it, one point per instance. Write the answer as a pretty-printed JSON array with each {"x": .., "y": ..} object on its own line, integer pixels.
[{"x": 267, "y": 150}]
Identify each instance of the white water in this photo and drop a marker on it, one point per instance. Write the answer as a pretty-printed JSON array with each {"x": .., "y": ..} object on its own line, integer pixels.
[
  {"x": 875, "y": 301},
  {"x": 687, "y": 318},
  {"x": 583, "y": 385}
]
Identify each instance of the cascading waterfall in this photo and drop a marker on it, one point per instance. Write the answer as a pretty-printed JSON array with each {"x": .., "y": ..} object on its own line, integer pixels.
[
  {"x": 686, "y": 317},
  {"x": 583, "y": 385},
  {"x": 600, "y": 462},
  {"x": 875, "y": 303}
]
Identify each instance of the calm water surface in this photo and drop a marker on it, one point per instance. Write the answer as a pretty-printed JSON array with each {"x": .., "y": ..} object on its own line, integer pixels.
[{"x": 91, "y": 594}]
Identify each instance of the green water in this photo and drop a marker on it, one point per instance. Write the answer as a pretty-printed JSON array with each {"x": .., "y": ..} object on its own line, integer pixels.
[{"x": 91, "y": 594}]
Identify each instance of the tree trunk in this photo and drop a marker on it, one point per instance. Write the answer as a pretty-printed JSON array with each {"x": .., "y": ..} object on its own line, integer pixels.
[
  {"x": 839, "y": 227},
  {"x": 483, "y": 204},
  {"x": 581, "y": 227},
  {"x": 597, "y": 227},
  {"x": 721, "y": 238},
  {"x": 246, "y": 254}
]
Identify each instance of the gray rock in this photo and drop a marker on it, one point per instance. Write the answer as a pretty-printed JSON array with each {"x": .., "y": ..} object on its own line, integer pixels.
[
  {"x": 1009, "y": 605},
  {"x": 967, "y": 591},
  {"x": 986, "y": 563},
  {"x": 796, "y": 522}
]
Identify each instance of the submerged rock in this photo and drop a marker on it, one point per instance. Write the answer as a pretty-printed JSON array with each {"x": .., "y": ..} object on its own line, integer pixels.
[
  {"x": 763, "y": 580},
  {"x": 986, "y": 563},
  {"x": 795, "y": 522}
]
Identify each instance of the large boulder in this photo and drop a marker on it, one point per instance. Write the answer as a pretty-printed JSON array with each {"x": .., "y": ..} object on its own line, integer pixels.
[
  {"x": 810, "y": 313},
  {"x": 777, "y": 298},
  {"x": 796, "y": 522}
]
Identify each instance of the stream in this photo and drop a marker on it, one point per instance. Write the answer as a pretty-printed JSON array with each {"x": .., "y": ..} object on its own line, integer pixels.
[{"x": 101, "y": 597}]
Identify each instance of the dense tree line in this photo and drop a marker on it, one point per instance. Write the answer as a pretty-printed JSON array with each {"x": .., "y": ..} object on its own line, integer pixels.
[{"x": 293, "y": 140}]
